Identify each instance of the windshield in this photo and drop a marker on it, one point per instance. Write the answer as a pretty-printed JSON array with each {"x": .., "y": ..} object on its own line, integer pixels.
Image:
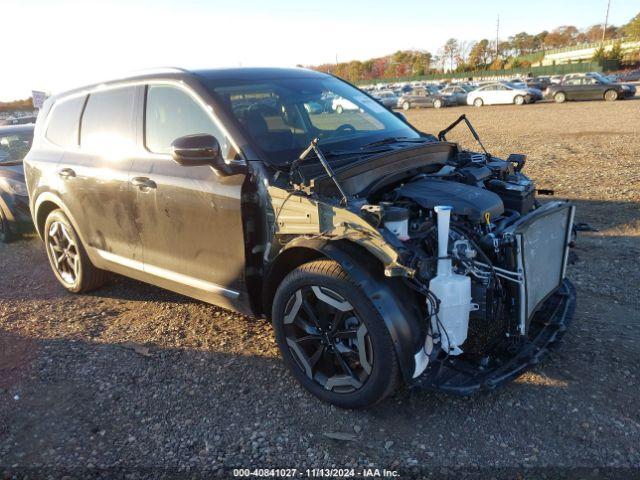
[
  {"x": 14, "y": 146},
  {"x": 282, "y": 116}
]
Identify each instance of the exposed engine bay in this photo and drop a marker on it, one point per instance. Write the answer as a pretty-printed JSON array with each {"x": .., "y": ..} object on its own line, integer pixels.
[{"x": 476, "y": 243}]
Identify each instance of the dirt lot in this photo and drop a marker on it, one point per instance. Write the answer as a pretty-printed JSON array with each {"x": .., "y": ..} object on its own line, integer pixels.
[{"x": 145, "y": 381}]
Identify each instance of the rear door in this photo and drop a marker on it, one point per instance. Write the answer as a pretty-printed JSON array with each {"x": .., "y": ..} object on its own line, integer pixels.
[
  {"x": 573, "y": 88},
  {"x": 95, "y": 177},
  {"x": 593, "y": 89},
  {"x": 191, "y": 219}
]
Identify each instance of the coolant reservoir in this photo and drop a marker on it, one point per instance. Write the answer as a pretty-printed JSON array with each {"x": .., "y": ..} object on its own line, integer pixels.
[
  {"x": 396, "y": 220},
  {"x": 453, "y": 291}
]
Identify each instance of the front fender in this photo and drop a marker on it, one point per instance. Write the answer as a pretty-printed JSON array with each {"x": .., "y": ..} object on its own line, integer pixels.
[{"x": 398, "y": 305}]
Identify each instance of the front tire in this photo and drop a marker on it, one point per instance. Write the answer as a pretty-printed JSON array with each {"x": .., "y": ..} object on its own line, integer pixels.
[
  {"x": 406, "y": 106},
  {"x": 610, "y": 95},
  {"x": 560, "y": 97},
  {"x": 437, "y": 103},
  {"x": 519, "y": 100},
  {"x": 332, "y": 338},
  {"x": 67, "y": 256}
]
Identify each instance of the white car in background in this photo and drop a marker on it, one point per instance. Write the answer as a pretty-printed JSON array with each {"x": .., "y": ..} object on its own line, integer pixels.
[
  {"x": 503, "y": 93},
  {"x": 340, "y": 105}
]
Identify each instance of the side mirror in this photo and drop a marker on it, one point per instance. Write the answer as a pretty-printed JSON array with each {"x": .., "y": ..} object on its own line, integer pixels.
[
  {"x": 200, "y": 150},
  {"x": 196, "y": 150}
]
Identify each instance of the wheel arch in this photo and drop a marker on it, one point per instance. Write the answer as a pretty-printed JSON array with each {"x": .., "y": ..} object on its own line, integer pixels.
[
  {"x": 46, "y": 203},
  {"x": 398, "y": 306}
]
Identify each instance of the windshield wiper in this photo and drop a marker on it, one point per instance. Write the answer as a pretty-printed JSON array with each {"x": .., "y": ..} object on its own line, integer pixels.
[{"x": 390, "y": 140}]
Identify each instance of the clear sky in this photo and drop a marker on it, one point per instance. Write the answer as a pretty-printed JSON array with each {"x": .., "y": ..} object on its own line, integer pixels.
[{"x": 60, "y": 44}]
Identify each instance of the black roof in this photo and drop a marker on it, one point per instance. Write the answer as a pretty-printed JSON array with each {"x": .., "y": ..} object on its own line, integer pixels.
[
  {"x": 222, "y": 74},
  {"x": 257, "y": 73}
]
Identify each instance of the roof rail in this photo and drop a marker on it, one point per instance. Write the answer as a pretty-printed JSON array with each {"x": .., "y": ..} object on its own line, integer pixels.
[{"x": 147, "y": 71}]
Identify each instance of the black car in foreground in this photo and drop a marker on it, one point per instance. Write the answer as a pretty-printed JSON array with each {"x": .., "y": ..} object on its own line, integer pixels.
[
  {"x": 15, "y": 217},
  {"x": 589, "y": 87},
  {"x": 380, "y": 253}
]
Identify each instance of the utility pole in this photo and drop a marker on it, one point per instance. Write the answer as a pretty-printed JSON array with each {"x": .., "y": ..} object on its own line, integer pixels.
[
  {"x": 606, "y": 20},
  {"x": 497, "y": 37}
]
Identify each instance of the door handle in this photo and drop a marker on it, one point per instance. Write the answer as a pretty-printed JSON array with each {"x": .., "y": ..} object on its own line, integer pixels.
[
  {"x": 67, "y": 173},
  {"x": 143, "y": 183}
]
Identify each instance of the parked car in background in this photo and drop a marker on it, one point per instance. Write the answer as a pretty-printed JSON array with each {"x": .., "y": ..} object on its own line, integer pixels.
[
  {"x": 314, "y": 107},
  {"x": 630, "y": 76},
  {"x": 535, "y": 94},
  {"x": 20, "y": 120},
  {"x": 387, "y": 98},
  {"x": 539, "y": 83},
  {"x": 340, "y": 105},
  {"x": 424, "y": 98},
  {"x": 458, "y": 93},
  {"x": 15, "y": 217},
  {"x": 502, "y": 93},
  {"x": 589, "y": 87}
]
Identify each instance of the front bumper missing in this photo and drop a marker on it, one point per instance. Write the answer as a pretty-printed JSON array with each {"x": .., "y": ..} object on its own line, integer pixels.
[{"x": 509, "y": 359}]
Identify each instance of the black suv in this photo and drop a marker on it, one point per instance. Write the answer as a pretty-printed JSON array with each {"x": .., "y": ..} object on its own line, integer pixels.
[{"x": 379, "y": 252}]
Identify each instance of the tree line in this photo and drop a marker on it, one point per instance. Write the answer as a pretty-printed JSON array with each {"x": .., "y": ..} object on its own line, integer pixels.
[{"x": 519, "y": 50}]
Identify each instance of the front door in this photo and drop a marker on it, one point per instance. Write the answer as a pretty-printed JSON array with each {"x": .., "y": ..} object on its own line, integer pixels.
[{"x": 191, "y": 219}]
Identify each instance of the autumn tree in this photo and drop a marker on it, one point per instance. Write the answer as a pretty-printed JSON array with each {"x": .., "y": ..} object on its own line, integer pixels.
[
  {"x": 450, "y": 50},
  {"x": 480, "y": 55},
  {"x": 632, "y": 29}
]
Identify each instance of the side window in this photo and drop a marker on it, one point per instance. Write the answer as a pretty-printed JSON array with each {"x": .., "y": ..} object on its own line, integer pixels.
[
  {"x": 64, "y": 121},
  {"x": 172, "y": 113},
  {"x": 108, "y": 120}
]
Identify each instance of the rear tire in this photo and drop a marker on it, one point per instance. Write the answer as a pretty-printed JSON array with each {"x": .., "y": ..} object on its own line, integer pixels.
[
  {"x": 6, "y": 232},
  {"x": 343, "y": 326},
  {"x": 610, "y": 95},
  {"x": 519, "y": 100},
  {"x": 560, "y": 97},
  {"x": 67, "y": 256},
  {"x": 406, "y": 106},
  {"x": 478, "y": 102},
  {"x": 437, "y": 103}
]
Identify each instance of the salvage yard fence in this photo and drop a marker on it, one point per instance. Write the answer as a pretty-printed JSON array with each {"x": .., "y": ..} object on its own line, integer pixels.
[{"x": 509, "y": 73}]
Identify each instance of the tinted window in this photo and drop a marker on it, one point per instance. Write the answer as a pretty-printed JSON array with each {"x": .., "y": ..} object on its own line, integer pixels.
[
  {"x": 64, "y": 120},
  {"x": 107, "y": 122},
  {"x": 172, "y": 113}
]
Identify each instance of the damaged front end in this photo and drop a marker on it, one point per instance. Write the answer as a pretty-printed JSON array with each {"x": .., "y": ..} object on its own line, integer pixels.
[{"x": 462, "y": 234}]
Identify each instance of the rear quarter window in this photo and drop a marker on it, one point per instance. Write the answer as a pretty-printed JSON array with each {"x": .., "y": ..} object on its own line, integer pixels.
[
  {"x": 64, "y": 121},
  {"x": 108, "y": 120}
]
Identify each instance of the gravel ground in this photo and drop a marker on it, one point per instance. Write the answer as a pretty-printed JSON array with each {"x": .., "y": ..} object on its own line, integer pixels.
[{"x": 137, "y": 380}]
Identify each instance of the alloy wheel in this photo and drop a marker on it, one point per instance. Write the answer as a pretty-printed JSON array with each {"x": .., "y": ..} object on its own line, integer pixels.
[
  {"x": 327, "y": 339},
  {"x": 64, "y": 252}
]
